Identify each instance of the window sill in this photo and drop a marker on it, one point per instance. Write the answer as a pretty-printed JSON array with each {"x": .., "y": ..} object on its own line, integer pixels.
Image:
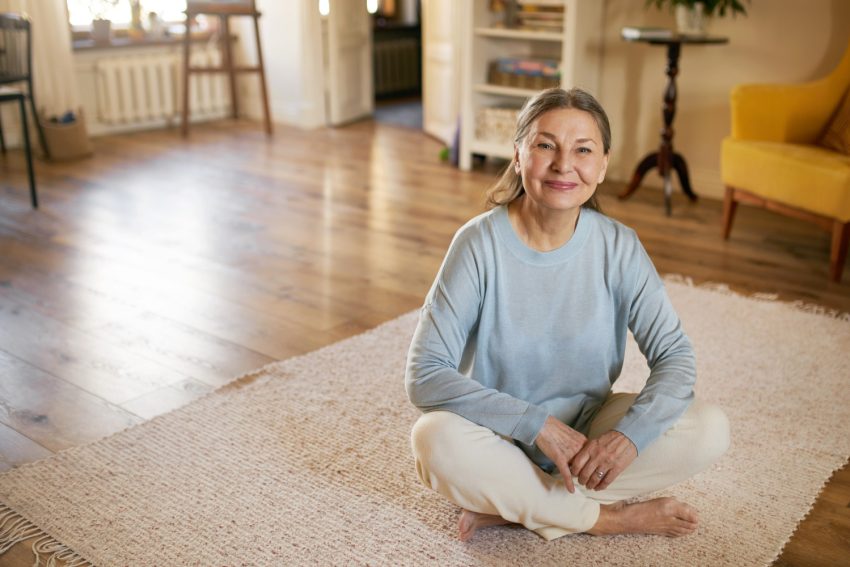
[{"x": 87, "y": 44}]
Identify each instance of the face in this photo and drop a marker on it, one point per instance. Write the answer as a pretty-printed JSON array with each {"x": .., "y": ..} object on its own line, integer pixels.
[{"x": 561, "y": 160}]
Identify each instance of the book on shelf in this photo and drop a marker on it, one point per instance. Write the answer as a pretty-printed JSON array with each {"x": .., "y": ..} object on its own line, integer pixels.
[
  {"x": 540, "y": 16},
  {"x": 633, "y": 32}
]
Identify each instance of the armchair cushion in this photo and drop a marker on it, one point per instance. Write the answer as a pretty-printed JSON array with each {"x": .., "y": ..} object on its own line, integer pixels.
[
  {"x": 837, "y": 135},
  {"x": 804, "y": 176}
]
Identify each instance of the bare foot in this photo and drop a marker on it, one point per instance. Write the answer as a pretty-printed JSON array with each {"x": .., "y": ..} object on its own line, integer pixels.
[
  {"x": 662, "y": 516},
  {"x": 469, "y": 522}
]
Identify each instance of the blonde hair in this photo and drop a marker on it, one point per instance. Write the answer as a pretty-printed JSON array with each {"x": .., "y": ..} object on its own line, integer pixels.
[{"x": 509, "y": 187}]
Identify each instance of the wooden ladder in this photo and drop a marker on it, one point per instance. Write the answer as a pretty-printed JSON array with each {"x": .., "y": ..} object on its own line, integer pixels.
[{"x": 224, "y": 9}]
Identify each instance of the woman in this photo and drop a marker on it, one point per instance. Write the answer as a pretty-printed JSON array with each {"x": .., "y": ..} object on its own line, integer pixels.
[{"x": 524, "y": 332}]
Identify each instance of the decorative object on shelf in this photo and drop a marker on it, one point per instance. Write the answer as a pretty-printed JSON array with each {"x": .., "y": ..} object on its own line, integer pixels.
[
  {"x": 136, "y": 30},
  {"x": 504, "y": 11},
  {"x": 524, "y": 73},
  {"x": 692, "y": 16},
  {"x": 156, "y": 27},
  {"x": 101, "y": 26},
  {"x": 691, "y": 20}
]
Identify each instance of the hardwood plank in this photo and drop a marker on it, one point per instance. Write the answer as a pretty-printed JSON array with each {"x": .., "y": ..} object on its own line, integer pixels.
[
  {"x": 167, "y": 399},
  {"x": 167, "y": 342},
  {"x": 52, "y": 412},
  {"x": 17, "y": 449},
  {"x": 86, "y": 361}
]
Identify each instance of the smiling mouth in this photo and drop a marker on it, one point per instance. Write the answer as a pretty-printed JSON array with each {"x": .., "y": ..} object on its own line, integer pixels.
[{"x": 561, "y": 185}]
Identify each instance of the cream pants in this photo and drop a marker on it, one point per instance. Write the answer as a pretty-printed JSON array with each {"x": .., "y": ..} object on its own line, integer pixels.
[{"x": 484, "y": 472}]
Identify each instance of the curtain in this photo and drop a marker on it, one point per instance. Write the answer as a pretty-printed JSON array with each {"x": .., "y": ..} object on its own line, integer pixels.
[{"x": 54, "y": 79}]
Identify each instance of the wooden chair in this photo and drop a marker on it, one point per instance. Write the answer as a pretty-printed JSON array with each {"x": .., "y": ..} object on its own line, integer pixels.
[
  {"x": 15, "y": 69},
  {"x": 224, "y": 9}
]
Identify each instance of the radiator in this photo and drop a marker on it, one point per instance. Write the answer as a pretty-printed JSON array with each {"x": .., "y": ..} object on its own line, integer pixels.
[
  {"x": 396, "y": 66},
  {"x": 138, "y": 89}
]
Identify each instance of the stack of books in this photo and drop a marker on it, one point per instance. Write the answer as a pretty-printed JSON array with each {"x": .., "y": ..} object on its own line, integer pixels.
[{"x": 540, "y": 15}]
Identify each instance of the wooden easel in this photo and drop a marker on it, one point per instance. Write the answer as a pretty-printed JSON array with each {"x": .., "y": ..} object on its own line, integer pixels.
[{"x": 224, "y": 9}]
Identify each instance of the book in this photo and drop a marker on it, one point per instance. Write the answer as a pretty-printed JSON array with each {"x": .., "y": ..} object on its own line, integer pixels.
[{"x": 632, "y": 32}]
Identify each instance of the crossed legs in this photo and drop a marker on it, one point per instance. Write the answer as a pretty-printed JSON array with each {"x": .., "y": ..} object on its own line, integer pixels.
[{"x": 494, "y": 482}]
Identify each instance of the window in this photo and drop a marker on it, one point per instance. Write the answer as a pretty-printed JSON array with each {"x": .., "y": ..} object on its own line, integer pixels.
[{"x": 82, "y": 12}]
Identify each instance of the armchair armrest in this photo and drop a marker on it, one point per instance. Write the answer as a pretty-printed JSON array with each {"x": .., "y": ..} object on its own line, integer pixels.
[{"x": 795, "y": 113}]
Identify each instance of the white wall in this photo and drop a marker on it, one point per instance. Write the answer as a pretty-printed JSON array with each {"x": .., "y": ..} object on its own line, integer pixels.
[
  {"x": 780, "y": 41},
  {"x": 291, "y": 40}
]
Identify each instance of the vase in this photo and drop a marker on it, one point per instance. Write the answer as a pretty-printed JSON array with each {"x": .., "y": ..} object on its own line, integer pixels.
[
  {"x": 691, "y": 20},
  {"x": 101, "y": 31}
]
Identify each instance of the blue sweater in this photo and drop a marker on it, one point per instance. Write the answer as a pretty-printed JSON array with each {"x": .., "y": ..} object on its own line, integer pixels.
[{"x": 509, "y": 335}]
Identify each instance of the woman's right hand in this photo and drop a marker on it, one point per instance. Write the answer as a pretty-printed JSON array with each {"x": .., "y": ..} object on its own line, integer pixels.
[{"x": 560, "y": 443}]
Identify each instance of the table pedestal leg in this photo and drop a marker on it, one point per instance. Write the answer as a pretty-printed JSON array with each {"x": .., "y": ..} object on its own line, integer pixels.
[
  {"x": 668, "y": 194},
  {"x": 681, "y": 168},
  {"x": 665, "y": 159},
  {"x": 645, "y": 165},
  {"x": 650, "y": 162}
]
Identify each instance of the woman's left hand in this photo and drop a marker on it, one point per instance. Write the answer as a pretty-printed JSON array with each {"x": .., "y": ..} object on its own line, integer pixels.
[{"x": 602, "y": 460}]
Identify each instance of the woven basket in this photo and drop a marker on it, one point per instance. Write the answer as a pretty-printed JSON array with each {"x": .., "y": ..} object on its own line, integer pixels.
[{"x": 496, "y": 124}]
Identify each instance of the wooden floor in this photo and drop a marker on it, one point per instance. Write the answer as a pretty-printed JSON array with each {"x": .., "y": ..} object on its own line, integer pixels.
[{"x": 162, "y": 268}]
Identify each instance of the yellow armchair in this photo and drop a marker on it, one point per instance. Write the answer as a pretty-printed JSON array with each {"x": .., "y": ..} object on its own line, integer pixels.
[{"x": 771, "y": 159}]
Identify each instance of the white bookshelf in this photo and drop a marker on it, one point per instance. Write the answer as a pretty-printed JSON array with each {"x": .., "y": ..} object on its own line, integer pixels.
[
  {"x": 577, "y": 48},
  {"x": 519, "y": 34}
]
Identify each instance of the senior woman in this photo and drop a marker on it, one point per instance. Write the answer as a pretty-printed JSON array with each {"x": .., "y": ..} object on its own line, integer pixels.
[{"x": 521, "y": 337}]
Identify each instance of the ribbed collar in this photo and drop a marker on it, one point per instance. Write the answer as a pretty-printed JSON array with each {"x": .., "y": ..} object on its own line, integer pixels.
[{"x": 519, "y": 248}]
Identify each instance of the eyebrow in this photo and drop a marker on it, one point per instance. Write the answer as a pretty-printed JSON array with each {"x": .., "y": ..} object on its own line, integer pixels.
[{"x": 578, "y": 141}]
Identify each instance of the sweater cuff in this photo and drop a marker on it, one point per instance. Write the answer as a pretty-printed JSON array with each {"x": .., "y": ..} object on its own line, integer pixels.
[
  {"x": 640, "y": 442},
  {"x": 530, "y": 424}
]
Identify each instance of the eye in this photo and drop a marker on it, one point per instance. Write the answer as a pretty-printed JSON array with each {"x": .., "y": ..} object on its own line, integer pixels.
[
  {"x": 545, "y": 146},
  {"x": 585, "y": 150}
]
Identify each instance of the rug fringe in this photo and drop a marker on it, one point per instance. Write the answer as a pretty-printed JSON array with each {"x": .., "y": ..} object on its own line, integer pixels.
[
  {"x": 724, "y": 289},
  {"x": 47, "y": 552}
]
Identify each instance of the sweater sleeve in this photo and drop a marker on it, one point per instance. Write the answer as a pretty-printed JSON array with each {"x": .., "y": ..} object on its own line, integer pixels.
[
  {"x": 447, "y": 322},
  {"x": 656, "y": 327}
]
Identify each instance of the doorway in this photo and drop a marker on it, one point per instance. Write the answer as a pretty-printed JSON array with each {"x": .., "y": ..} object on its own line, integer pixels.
[{"x": 397, "y": 68}]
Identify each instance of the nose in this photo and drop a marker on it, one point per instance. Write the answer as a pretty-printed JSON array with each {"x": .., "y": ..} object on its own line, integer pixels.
[{"x": 562, "y": 161}]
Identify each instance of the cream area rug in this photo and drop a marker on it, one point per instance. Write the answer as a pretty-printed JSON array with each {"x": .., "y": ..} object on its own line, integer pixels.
[{"x": 309, "y": 463}]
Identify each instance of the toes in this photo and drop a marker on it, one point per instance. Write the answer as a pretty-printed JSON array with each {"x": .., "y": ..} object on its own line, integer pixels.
[
  {"x": 682, "y": 528},
  {"x": 689, "y": 514},
  {"x": 672, "y": 507}
]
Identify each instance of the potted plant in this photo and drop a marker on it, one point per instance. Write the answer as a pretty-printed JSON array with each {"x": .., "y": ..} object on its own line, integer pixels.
[
  {"x": 101, "y": 26},
  {"x": 691, "y": 14}
]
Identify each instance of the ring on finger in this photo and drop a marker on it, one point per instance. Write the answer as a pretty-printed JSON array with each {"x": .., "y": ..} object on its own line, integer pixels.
[{"x": 600, "y": 474}]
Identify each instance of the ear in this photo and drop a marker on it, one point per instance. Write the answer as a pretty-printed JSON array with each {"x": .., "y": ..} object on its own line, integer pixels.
[
  {"x": 603, "y": 170},
  {"x": 517, "y": 167}
]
